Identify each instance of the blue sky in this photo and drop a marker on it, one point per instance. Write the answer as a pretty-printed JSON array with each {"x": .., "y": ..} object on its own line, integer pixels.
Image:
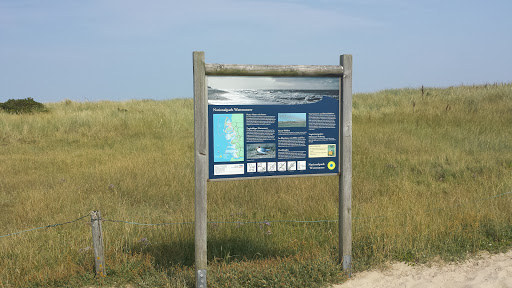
[{"x": 125, "y": 49}]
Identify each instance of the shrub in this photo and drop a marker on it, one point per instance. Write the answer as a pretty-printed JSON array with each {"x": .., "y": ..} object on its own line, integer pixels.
[{"x": 17, "y": 106}]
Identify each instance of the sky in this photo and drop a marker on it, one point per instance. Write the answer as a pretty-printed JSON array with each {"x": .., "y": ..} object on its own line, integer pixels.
[{"x": 119, "y": 50}]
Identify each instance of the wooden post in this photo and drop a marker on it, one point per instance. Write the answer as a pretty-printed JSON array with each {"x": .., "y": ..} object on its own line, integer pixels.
[
  {"x": 345, "y": 180},
  {"x": 201, "y": 165},
  {"x": 97, "y": 242}
]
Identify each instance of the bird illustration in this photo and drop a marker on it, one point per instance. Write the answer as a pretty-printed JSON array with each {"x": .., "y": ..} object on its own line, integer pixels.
[{"x": 262, "y": 150}]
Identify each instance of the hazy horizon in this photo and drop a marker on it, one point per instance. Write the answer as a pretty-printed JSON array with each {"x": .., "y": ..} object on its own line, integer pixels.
[{"x": 119, "y": 50}]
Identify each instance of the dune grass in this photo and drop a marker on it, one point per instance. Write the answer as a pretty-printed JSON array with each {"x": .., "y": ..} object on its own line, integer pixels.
[{"x": 426, "y": 172}]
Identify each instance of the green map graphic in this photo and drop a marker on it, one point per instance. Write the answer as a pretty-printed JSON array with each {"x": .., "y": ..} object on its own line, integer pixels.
[{"x": 228, "y": 137}]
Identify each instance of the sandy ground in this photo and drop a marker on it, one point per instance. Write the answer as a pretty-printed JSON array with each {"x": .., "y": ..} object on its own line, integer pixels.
[{"x": 483, "y": 271}]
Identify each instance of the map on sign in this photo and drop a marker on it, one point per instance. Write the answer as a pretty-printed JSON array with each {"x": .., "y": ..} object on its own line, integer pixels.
[{"x": 228, "y": 137}]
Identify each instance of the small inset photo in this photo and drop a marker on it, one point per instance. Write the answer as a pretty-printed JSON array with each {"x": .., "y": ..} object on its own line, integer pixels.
[
  {"x": 261, "y": 150},
  {"x": 291, "y": 120},
  {"x": 331, "y": 150}
]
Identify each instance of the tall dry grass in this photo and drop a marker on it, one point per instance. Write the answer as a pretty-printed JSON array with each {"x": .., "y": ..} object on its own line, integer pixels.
[{"x": 426, "y": 169}]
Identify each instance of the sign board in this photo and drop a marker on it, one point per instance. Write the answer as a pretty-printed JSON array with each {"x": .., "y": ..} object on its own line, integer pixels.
[
  {"x": 271, "y": 121},
  {"x": 269, "y": 126}
]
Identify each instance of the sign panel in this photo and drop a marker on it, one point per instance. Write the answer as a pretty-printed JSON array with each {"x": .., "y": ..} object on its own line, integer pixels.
[{"x": 268, "y": 126}]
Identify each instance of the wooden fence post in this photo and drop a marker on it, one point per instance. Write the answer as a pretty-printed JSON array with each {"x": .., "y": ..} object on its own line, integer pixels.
[
  {"x": 97, "y": 242},
  {"x": 345, "y": 180}
]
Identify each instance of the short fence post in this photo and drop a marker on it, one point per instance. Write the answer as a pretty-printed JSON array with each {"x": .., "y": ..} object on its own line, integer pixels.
[{"x": 97, "y": 242}]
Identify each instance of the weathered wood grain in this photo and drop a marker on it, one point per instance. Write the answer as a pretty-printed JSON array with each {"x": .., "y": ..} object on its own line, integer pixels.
[
  {"x": 345, "y": 182},
  {"x": 274, "y": 70},
  {"x": 97, "y": 243},
  {"x": 201, "y": 166}
]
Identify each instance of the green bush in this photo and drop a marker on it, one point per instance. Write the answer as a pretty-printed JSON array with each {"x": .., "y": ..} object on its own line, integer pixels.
[{"x": 18, "y": 106}]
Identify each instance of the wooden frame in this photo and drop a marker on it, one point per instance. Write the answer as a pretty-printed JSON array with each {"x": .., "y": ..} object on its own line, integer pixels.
[{"x": 201, "y": 71}]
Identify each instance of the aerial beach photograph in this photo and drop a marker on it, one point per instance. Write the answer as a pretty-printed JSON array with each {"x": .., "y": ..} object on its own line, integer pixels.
[{"x": 101, "y": 144}]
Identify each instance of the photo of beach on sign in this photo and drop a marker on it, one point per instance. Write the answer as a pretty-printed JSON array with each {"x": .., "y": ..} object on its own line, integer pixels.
[
  {"x": 291, "y": 120},
  {"x": 244, "y": 90}
]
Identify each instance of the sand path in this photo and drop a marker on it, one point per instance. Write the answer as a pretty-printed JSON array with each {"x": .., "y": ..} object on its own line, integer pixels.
[{"x": 483, "y": 271}]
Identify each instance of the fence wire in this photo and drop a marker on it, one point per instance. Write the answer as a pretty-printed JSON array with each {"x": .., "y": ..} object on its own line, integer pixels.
[
  {"x": 265, "y": 222},
  {"x": 147, "y": 224},
  {"x": 44, "y": 227}
]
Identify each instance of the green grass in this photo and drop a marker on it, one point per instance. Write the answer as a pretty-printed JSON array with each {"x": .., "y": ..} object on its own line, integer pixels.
[{"x": 425, "y": 169}]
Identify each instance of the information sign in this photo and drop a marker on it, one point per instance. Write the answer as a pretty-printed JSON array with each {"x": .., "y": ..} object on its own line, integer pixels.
[{"x": 275, "y": 127}]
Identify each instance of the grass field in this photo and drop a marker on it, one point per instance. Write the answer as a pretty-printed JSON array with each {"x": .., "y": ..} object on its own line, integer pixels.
[{"x": 426, "y": 172}]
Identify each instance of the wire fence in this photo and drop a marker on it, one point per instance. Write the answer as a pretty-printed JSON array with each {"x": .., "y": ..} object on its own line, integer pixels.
[
  {"x": 266, "y": 222},
  {"x": 44, "y": 227}
]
